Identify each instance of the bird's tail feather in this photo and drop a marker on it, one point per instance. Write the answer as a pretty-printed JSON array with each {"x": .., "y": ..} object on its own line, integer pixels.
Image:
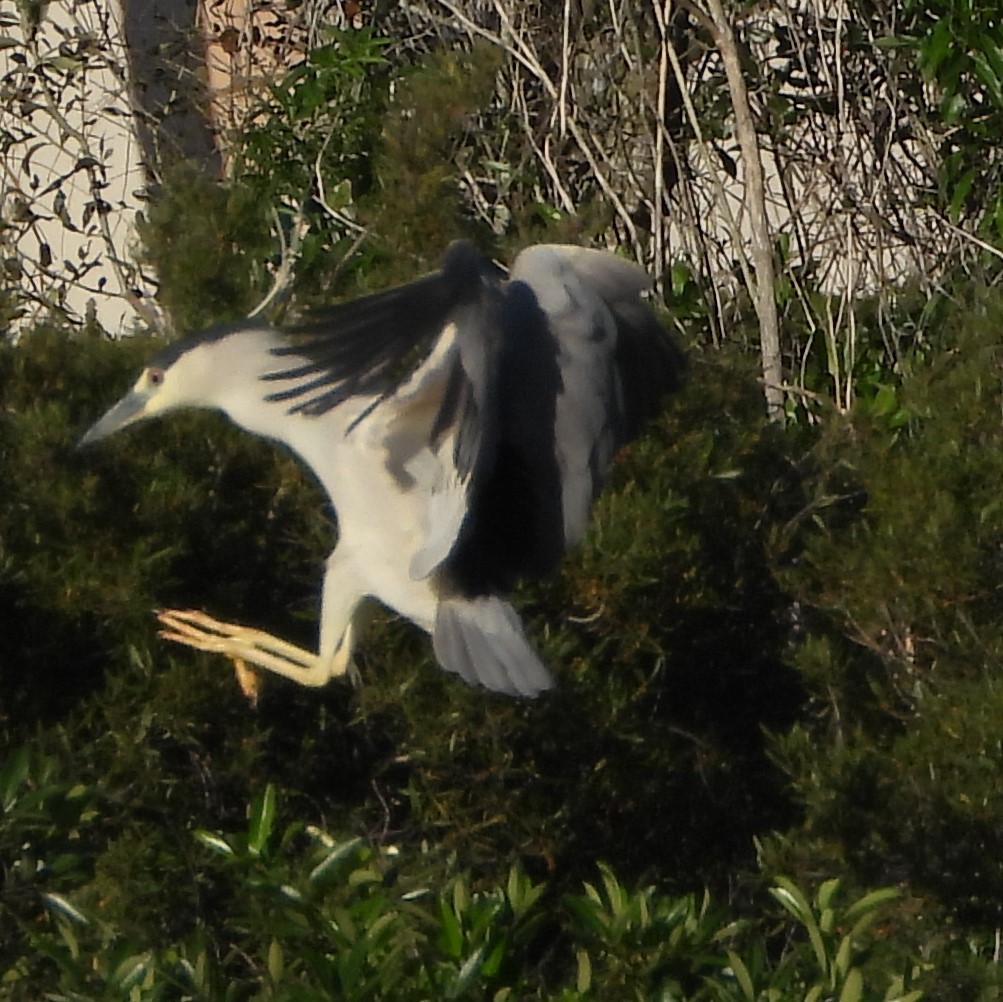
[{"x": 482, "y": 640}]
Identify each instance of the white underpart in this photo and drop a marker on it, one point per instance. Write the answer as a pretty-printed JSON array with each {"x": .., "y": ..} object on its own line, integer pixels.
[
  {"x": 430, "y": 465},
  {"x": 382, "y": 520}
]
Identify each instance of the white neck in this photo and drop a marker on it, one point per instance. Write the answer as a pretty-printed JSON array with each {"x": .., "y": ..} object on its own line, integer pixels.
[{"x": 233, "y": 382}]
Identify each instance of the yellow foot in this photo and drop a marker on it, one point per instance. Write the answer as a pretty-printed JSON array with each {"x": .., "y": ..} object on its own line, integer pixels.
[
  {"x": 249, "y": 680},
  {"x": 243, "y": 645}
]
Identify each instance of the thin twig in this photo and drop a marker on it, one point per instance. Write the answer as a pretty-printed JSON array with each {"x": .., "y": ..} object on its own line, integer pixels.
[
  {"x": 289, "y": 255},
  {"x": 755, "y": 200}
]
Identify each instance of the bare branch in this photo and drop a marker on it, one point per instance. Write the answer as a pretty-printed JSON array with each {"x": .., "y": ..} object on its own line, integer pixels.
[{"x": 762, "y": 247}]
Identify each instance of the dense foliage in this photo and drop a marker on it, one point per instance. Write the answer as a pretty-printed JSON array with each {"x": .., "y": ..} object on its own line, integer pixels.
[
  {"x": 770, "y": 770},
  {"x": 778, "y": 669}
]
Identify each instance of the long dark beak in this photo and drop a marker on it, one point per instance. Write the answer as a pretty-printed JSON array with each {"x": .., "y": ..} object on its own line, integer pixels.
[{"x": 129, "y": 409}]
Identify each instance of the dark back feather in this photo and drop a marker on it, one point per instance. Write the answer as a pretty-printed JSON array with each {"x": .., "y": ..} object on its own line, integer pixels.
[
  {"x": 515, "y": 525},
  {"x": 649, "y": 363}
]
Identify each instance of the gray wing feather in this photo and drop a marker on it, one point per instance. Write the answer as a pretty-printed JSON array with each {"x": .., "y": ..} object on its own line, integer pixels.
[
  {"x": 482, "y": 640},
  {"x": 563, "y": 367},
  {"x": 616, "y": 363}
]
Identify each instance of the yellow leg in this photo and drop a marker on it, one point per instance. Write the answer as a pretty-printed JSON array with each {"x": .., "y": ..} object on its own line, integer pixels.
[{"x": 245, "y": 645}]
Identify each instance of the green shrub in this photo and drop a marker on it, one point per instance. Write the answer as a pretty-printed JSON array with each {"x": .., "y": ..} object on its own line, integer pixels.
[
  {"x": 310, "y": 916},
  {"x": 900, "y": 644},
  {"x": 208, "y": 243},
  {"x": 777, "y": 653}
]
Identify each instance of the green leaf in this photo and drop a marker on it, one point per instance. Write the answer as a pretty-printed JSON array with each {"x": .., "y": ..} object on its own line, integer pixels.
[
  {"x": 885, "y": 401},
  {"x": 521, "y": 892},
  {"x": 987, "y": 74},
  {"x": 589, "y": 914},
  {"x": 742, "y": 975},
  {"x": 64, "y": 63},
  {"x": 215, "y": 842},
  {"x": 364, "y": 875},
  {"x": 893, "y": 42},
  {"x": 13, "y": 775},
  {"x": 827, "y": 892},
  {"x": 793, "y": 899},
  {"x": 461, "y": 896},
  {"x": 130, "y": 971},
  {"x": 547, "y": 212},
  {"x": 844, "y": 956},
  {"x": 470, "y": 969},
  {"x": 681, "y": 277},
  {"x": 60, "y": 904},
  {"x": 450, "y": 932},
  {"x": 960, "y": 193},
  {"x": 333, "y": 858},
  {"x": 615, "y": 893},
  {"x": 275, "y": 962},
  {"x": 935, "y": 48},
  {"x": 853, "y": 987},
  {"x": 495, "y": 958},
  {"x": 583, "y": 975},
  {"x": 952, "y": 108},
  {"x": 339, "y": 196},
  {"x": 871, "y": 901},
  {"x": 261, "y": 821}
]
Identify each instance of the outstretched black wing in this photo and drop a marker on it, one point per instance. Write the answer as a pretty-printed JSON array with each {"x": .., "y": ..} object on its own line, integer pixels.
[{"x": 370, "y": 345}]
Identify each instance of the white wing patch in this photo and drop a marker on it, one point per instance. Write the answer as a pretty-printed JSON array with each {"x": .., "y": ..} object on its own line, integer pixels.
[
  {"x": 429, "y": 465},
  {"x": 445, "y": 511}
]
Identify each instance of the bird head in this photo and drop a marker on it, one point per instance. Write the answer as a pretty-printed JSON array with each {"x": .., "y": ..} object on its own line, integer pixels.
[
  {"x": 219, "y": 368},
  {"x": 178, "y": 376},
  {"x": 155, "y": 392}
]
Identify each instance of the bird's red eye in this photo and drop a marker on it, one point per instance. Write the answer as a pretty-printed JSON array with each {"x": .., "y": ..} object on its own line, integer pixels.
[{"x": 156, "y": 377}]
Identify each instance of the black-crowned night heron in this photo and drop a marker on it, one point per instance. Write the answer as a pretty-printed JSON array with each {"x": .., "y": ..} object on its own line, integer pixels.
[{"x": 461, "y": 425}]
